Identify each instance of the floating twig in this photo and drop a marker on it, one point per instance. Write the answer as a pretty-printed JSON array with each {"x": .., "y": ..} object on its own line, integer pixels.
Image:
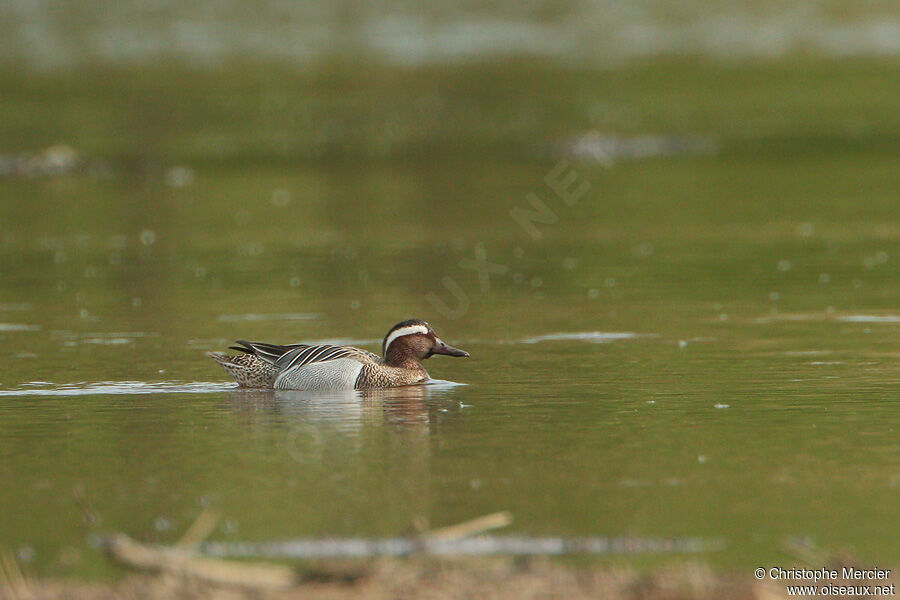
[
  {"x": 91, "y": 516},
  {"x": 201, "y": 529},
  {"x": 472, "y": 527},
  {"x": 11, "y": 577},
  {"x": 214, "y": 570}
]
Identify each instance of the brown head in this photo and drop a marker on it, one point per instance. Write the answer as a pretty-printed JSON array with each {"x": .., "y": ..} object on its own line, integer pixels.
[{"x": 410, "y": 342}]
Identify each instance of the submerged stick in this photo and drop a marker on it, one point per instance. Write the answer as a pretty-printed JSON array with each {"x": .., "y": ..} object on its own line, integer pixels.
[
  {"x": 214, "y": 570},
  {"x": 201, "y": 529},
  {"x": 11, "y": 577},
  {"x": 472, "y": 527}
]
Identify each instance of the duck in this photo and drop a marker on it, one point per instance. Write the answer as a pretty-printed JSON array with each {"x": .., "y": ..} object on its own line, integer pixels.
[{"x": 327, "y": 367}]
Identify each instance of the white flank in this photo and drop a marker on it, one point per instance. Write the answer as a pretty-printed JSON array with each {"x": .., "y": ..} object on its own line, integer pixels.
[
  {"x": 404, "y": 331},
  {"x": 337, "y": 374}
]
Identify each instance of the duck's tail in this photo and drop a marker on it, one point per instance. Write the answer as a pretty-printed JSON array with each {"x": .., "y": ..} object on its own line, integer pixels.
[{"x": 248, "y": 370}]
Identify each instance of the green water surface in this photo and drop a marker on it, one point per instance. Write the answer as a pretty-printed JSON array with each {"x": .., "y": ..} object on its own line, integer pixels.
[{"x": 702, "y": 345}]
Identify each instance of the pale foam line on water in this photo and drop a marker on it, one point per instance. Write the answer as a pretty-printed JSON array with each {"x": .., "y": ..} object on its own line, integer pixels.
[
  {"x": 21, "y": 306},
  {"x": 443, "y": 384},
  {"x": 103, "y": 338},
  {"x": 46, "y": 388},
  {"x": 43, "y": 388},
  {"x": 869, "y": 319},
  {"x": 801, "y": 317},
  {"x": 9, "y": 327},
  {"x": 119, "y": 334},
  {"x": 270, "y": 317},
  {"x": 115, "y": 341},
  {"x": 597, "y": 337},
  {"x": 782, "y": 318},
  {"x": 479, "y": 545}
]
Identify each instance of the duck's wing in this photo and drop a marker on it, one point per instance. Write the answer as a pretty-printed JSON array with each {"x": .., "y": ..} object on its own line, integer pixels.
[
  {"x": 267, "y": 352},
  {"x": 294, "y": 356}
]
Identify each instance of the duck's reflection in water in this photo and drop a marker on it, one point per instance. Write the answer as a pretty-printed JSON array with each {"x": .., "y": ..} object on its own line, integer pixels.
[
  {"x": 340, "y": 450},
  {"x": 415, "y": 408}
]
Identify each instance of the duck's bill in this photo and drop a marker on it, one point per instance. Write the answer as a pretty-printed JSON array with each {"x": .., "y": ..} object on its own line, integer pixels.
[{"x": 443, "y": 348}]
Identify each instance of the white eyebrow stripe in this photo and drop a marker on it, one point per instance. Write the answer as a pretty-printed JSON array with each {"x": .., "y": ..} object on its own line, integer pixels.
[{"x": 404, "y": 331}]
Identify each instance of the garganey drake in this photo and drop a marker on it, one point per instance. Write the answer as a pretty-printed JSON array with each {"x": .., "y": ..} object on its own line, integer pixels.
[{"x": 326, "y": 367}]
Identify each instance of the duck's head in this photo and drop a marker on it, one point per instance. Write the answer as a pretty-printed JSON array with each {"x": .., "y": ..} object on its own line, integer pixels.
[{"x": 414, "y": 339}]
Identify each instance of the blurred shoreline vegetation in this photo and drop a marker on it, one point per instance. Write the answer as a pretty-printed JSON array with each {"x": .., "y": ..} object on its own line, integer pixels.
[{"x": 266, "y": 113}]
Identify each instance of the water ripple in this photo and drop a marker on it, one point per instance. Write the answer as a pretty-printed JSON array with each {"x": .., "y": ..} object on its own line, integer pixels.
[
  {"x": 42, "y": 388},
  {"x": 4, "y": 327},
  {"x": 869, "y": 319},
  {"x": 46, "y": 388},
  {"x": 481, "y": 545},
  {"x": 269, "y": 317},
  {"x": 598, "y": 337}
]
